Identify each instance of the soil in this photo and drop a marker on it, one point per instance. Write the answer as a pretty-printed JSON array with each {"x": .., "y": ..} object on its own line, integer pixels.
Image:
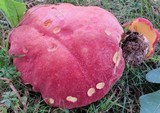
[{"x": 135, "y": 47}]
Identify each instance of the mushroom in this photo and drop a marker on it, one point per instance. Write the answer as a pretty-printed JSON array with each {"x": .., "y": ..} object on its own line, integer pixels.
[
  {"x": 139, "y": 42},
  {"x": 70, "y": 54},
  {"x": 73, "y": 55}
]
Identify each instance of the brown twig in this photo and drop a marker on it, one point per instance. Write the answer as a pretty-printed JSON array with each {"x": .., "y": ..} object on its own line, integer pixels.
[{"x": 8, "y": 81}]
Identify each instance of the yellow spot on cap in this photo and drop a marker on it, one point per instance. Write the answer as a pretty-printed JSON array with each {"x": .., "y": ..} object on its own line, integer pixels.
[
  {"x": 107, "y": 32},
  {"x": 117, "y": 58},
  {"x": 91, "y": 91},
  {"x": 71, "y": 99},
  {"x": 84, "y": 50},
  {"x": 25, "y": 50},
  {"x": 47, "y": 23},
  {"x": 56, "y": 30},
  {"x": 100, "y": 85},
  {"x": 51, "y": 101},
  {"x": 52, "y": 48}
]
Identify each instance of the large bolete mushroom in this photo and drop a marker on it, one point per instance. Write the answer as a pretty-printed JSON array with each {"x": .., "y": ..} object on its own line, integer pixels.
[{"x": 70, "y": 54}]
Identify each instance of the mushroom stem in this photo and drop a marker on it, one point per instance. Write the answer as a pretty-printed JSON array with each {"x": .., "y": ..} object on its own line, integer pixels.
[{"x": 135, "y": 47}]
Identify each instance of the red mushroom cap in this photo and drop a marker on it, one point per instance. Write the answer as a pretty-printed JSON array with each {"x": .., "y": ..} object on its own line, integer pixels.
[{"x": 70, "y": 54}]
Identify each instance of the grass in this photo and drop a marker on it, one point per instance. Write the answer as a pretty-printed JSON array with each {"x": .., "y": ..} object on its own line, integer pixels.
[{"x": 123, "y": 96}]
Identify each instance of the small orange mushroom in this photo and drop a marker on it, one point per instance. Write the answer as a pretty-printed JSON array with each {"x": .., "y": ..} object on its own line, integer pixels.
[{"x": 145, "y": 27}]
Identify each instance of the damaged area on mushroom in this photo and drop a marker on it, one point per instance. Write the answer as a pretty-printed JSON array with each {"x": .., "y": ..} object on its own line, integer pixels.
[
  {"x": 68, "y": 61},
  {"x": 116, "y": 60}
]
